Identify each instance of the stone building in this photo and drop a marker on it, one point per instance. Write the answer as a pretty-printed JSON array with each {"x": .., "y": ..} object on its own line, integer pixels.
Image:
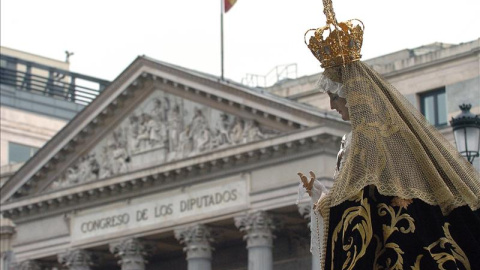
[
  {"x": 38, "y": 96},
  {"x": 170, "y": 168},
  {"x": 176, "y": 168}
]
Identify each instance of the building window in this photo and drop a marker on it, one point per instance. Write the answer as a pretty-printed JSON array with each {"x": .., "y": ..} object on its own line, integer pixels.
[
  {"x": 433, "y": 106},
  {"x": 18, "y": 153}
]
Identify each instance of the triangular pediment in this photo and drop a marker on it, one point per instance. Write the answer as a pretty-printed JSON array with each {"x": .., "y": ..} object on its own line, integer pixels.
[
  {"x": 162, "y": 128},
  {"x": 155, "y": 114}
]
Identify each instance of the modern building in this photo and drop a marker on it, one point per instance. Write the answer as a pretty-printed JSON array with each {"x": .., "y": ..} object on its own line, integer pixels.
[
  {"x": 170, "y": 168},
  {"x": 39, "y": 96}
]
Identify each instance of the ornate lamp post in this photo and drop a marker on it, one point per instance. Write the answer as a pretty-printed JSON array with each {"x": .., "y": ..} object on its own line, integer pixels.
[{"x": 466, "y": 129}]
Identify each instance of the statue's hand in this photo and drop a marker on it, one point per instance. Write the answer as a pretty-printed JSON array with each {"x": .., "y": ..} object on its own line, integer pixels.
[
  {"x": 308, "y": 185},
  {"x": 313, "y": 187}
]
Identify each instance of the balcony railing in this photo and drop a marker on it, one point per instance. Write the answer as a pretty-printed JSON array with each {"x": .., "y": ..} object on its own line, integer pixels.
[
  {"x": 49, "y": 81},
  {"x": 275, "y": 75}
]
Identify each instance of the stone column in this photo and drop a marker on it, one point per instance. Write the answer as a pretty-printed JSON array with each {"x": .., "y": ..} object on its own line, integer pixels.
[
  {"x": 7, "y": 229},
  {"x": 27, "y": 265},
  {"x": 132, "y": 253},
  {"x": 306, "y": 211},
  {"x": 197, "y": 241},
  {"x": 76, "y": 259},
  {"x": 258, "y": 227}
]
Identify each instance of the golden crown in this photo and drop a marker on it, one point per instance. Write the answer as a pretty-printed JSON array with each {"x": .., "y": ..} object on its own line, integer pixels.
[{"x": 343, "y": 42}]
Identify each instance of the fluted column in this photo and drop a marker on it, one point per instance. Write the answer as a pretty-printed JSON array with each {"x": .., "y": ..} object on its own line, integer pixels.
[
  {"x": 258, "y": 227},
  {"x": 132, "y": 253},
  {"x": 197, "y": 240},
  {"x": 76, "y": 259},
  {"x": 306, "y": 211},
  {"x": 27, "y": 265},
  {"x": 7, "y": 229}
]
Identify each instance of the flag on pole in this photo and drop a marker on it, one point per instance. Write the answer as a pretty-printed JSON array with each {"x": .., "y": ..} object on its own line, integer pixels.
[{"x": 228, "y": 4}]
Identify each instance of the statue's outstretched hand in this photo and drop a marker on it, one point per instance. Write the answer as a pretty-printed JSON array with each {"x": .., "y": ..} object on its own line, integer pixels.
[
  {"x": 308, "y": 185},
  {"x": 313, "y": 187}
]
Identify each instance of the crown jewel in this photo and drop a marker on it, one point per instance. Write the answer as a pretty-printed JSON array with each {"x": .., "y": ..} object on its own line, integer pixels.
[{"x": 343, "y": 42}]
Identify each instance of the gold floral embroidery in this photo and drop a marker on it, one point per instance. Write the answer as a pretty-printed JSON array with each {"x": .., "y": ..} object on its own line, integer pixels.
[
  {"x": 387, "y": 134},
  {"x": 388, "y": 230},
  {"x": 355, "y": 251},
  {"x": 397, "y": 201},
  {"x": 416, "y": 266},
  {"x": 458, "y": 255}
]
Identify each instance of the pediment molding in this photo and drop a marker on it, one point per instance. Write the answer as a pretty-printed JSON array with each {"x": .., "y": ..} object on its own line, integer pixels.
[
  {"x": 188, "y": 171},
  {"x": 86, "y": 138},
  {"x": 142, "y": 77},
  {"x": 213, "y": 88},
  {"x": 65, "y": 141}
]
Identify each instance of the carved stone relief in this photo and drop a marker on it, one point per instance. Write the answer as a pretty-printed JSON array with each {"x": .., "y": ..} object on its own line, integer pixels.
[
  {"x": 77, "y": 259},
  {"x": 163, "y": 128},
  {"x": 27, "y": 265}
]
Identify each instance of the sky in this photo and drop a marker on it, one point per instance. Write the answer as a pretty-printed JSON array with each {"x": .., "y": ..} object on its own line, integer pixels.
[{"x": 259, "y": 35}]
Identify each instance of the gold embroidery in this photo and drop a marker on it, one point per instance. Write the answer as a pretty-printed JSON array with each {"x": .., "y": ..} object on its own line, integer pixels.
[
  {"x": 355, "y": 251},
  {"x": 397, "y": 201},
  {"x": 395, "y": 149},
  {"x": 442, "y": 257},
  {"x": 416, "y": 266},
  {"x": 388, "y": 230}
]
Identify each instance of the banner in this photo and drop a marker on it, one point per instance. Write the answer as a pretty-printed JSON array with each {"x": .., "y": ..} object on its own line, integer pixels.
[{"x": 228, "y": 4}]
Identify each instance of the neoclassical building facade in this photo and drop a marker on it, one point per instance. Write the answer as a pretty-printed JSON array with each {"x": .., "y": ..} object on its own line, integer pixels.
[{"x": 172, "y": 169}]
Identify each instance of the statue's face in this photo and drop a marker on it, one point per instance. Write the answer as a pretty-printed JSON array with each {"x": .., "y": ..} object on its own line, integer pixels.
[{"x": 339, "y": 104}]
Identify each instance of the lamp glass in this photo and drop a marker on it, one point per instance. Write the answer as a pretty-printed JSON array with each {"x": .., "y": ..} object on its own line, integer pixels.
[
  {"x": 460, "y": 139},
  {"x": 473, "y": 137}
]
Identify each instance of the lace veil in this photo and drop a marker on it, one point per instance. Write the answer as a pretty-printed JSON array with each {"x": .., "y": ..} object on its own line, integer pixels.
[{"x": 394, "y": 147}]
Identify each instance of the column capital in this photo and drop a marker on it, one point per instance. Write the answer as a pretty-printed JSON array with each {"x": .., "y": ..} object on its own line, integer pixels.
[
  {"x": 77, "y": 259},
  {"x": 197, "y": 240},
  {"x": 27, "y": 265},
  {"x": 132, "y": 252},
  {"x": 7, "y": 227},
  {"x": 7, "y": 230},
  {"x": 258, "y": 227}
]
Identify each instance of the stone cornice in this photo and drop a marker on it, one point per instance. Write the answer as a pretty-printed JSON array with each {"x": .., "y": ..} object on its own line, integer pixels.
[
  {"x": 278, "y": 106},
  {"x": 168, "y": 175},
  {"x": 237, "y": 107},
  {"x": 413, "y": 64},
  {"x": 64, "y": 146}
]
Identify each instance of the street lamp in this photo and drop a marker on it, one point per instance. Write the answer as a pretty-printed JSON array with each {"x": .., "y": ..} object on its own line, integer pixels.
[{"x": 466, "y": 129}]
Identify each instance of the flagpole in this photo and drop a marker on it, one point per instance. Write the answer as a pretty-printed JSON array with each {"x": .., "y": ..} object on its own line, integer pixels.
[{"x": 222, "y": 8}]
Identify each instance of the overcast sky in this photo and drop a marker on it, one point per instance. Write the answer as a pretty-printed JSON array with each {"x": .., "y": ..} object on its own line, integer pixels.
[{"x": 107, "y": 35}]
